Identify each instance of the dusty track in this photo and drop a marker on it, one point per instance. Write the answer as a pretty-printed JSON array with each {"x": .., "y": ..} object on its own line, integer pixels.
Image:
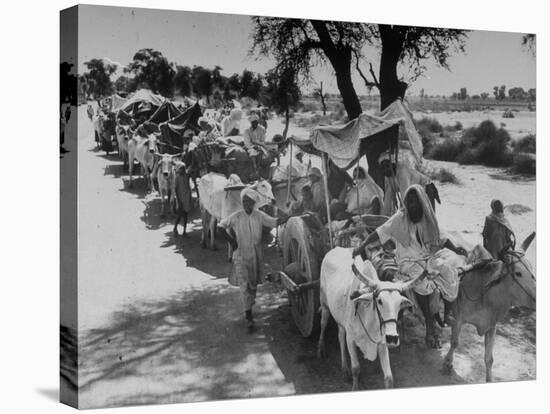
[{"x": 159, "y": 323}]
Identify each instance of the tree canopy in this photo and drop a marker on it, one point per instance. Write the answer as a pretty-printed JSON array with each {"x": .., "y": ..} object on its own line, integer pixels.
[
  {"x": 150, "y": 69},
  {"x": 98, "y": 77}
]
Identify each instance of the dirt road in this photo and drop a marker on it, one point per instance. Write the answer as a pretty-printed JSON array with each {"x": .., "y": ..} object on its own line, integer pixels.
[{"x": 158, "y": 322}]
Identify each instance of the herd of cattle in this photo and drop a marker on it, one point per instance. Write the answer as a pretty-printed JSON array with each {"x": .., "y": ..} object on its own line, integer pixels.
[{"x": 366, "y": 319}]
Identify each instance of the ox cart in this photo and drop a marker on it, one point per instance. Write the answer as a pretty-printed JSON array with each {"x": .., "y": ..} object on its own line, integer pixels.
[{"x": 305, "y": 240}]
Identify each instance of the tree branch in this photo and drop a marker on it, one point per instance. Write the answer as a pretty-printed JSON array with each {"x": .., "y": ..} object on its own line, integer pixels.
[{"x": 368, "y": 83}]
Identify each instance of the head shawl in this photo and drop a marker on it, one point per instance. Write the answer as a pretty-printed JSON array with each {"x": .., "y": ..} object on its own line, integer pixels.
[
  {"x": 428, "y": 228},
  {"x": 499, "y": 217},
  {"x": 253, "y": 118}
]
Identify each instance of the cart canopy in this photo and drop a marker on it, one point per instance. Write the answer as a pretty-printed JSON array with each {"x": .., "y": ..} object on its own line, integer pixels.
[
  {"x": 143, "y": 100},
  {"x": 342, "y": 143}
]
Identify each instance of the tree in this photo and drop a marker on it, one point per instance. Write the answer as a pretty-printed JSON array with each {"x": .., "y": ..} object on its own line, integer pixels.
[
  {"x": 201, "y": 80},
  {"x": 123, "y": 84},
  {"x": 529, "y": 41},
  {"x": 532, "y": 92},
  {"x": 463, "y": 94},
  {"x": 422, "y": 94},
  {"x": 234, "y": 82},
  {"x": 281, "y": 93},
  {"x": 98, "y": 77},
  {"x": 517, "y": 94},
  {"x": 502, "y": 92},
  {"x": 495, "y": 91},
  {"x": 182, "y": 80},
  {"x": 152, "y": 70},
  {"x": 298, "y": 44},
  {"x": 217, "y": 79},
  {"x": 318, "y": 93},
  {"x": 484, "y": 95}
]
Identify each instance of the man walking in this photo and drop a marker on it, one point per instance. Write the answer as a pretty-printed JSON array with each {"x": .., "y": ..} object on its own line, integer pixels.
[{"x": 243, "y": 230}]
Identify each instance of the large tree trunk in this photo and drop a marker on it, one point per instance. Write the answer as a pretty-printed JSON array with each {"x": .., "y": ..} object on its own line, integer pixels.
[
  {"x": 342, "y": 66},
  {"x": 391, "y": 88},
  {"x": 340, "y": 59}
]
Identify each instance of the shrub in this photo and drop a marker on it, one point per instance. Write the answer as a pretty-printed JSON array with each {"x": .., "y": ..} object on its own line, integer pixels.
[
  {"x": 445, "y": 176},
  {"x": 526, "y": 144},
  {"x": 448, "y": 150},
  {"x": 467, "y": 157},
  {"x": 429, "y": 125},
  {"x": 442, "y": 175},
  {"x": 310, "y": 106},
  {"x": 524, "y": 164}
]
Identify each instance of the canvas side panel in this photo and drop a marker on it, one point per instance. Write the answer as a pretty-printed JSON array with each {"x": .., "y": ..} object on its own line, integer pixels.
[{"x": 68, "y": 207}]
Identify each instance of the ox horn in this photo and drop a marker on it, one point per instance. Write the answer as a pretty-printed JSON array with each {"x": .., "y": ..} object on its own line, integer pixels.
[
  {"x": 362, "y": 277},
  {"x": 408, "y": 285},
  {"x": 527, "y": 242}
]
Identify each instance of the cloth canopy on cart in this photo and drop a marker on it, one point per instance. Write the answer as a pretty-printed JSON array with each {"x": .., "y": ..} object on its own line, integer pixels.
[
  {"x": 342, "y": 143},
  {"x": 142, "y": 101},
  {"x": 117, "y": 102},
  {"x": 171, "y": 132}
]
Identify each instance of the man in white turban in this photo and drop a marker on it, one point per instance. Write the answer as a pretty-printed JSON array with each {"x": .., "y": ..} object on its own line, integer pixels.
[
  {"x": 243, "y": 230},
  {"x": 255, "y": 134}
]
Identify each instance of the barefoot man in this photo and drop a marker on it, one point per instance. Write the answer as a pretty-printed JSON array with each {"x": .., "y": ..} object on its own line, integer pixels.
[{"x": 243, "y": 230}]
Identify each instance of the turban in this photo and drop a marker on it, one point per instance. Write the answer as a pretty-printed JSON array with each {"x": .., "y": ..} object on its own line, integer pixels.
[
  {"x": 248, "y": 192},
  {"x": 203, "y": 119}
]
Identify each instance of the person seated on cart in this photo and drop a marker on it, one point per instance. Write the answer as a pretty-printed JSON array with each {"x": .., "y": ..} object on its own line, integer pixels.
[
  {"x": 231, "y": 124},
  {"x": 243, "y": 230},
  {"x": 318, "y": 191},
  {"x": 415, "y": 231},
  {"x": 365, "y": 197},
  {"x": 255, "y": 134},
  {"x": 305, "y": 204},
  {"x": 209, "y": 129}
]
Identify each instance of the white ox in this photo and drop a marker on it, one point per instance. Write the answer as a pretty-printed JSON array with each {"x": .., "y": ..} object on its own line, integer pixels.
[
  {"x": 366, "y": 317},
  {"x": 143, "y": 150},
  {"x": 166, "y": 178},
  {"x": 219, "y": 200},
  {"x": 123, "y": 133}
]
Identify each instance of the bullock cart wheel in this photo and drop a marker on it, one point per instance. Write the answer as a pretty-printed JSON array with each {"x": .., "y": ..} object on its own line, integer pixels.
[{"x": 302, "y": 265}]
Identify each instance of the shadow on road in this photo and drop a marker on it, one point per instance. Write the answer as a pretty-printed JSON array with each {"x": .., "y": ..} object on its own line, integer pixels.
[{"x": 194, "y": 344}]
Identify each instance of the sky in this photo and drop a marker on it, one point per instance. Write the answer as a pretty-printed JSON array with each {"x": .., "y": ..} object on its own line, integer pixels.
[{"x": 206, "y": 39}]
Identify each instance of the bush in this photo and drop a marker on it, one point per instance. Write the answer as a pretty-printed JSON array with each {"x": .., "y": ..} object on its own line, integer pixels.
[
  {"x": 524, "y": 164},
  {"x": 448, "y": 150},
  {"x": 526, "y": 144},
  {"x": 429, "y": 125},
  {"x": 310, "y": 106},
  {"x": 442, "y": 175}
]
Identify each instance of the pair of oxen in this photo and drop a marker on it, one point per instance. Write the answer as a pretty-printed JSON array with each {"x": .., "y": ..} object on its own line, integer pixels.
[{"x": 367, "y": 309}]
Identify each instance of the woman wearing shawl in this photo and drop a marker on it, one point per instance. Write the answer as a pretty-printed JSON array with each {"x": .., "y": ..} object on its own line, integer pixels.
[
  {"x": 243, "y": 230},
  {"x": 415, "y": 232},
  {"x": 365, "y": 197},
  {"x": 498, "y": 236}
]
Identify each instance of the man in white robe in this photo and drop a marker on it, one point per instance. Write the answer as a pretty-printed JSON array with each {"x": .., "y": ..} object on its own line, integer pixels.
[{"x": 243, "y": 229}]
